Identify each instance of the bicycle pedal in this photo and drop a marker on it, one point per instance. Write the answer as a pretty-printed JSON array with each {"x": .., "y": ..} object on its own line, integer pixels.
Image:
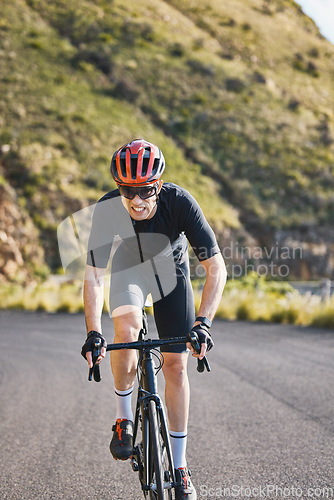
[
  {"x": 167, "y": 476},
  {"x": 134, "y": 464}
]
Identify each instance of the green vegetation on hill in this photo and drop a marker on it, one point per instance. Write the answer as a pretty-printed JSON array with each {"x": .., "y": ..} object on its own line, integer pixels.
[{"x": 237, "y": 94}]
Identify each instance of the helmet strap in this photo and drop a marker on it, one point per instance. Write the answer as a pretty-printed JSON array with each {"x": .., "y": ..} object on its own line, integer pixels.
[{"x": 159, "y": 189}]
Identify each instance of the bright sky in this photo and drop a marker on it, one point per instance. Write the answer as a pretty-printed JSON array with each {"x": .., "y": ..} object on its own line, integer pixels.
[{"x": 322, "y": 13}]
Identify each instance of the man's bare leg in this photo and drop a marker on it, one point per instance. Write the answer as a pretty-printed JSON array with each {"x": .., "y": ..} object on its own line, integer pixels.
[
  {"x": 177, "y": 396},
  {"x": 124, "y": 362}
]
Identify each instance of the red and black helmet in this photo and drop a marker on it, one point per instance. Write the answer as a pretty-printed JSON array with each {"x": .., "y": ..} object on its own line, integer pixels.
[{"x": 137, "y": 163}]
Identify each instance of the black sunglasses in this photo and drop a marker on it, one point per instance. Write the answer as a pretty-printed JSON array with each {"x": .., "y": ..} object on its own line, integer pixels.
[{"x": 143, "y": 192}]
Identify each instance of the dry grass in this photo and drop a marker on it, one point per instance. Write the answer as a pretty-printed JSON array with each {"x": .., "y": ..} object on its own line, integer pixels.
[
  {"x": 273, "y": 302},
  {"x": 241, "y": 301},
  {"x": 43, "y": 297}
]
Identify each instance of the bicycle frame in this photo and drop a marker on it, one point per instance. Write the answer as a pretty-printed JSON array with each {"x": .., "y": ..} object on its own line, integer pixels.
[
  {"x": 147, "y": 397},
  {"x": 148, "y": 391}
]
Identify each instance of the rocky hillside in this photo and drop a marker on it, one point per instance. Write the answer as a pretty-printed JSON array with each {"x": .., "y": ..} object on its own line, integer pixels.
[{"x": 237, "y": 94}]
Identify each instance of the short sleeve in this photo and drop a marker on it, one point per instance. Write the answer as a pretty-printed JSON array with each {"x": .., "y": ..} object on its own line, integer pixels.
[{"x": 196, "y": 228}]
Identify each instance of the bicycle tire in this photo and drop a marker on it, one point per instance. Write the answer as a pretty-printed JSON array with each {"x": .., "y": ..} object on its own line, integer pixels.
[
  {"x": 146, "y": 454},
  {"x": 156, "y": 448},
  {"x": 166, "y": 459}
]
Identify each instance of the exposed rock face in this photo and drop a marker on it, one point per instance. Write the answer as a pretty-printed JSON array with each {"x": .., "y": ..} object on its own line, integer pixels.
[
  {"x": 20, "y": 248},
  {"x": 304, "y": 253},
  {"x": 312, "y": 251}
]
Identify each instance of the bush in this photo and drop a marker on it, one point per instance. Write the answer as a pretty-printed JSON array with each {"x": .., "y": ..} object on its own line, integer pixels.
[
  {"x": 199, "y": 67},
  {"x": 177, "y": 50},
  {"x": 126, "y": 89},
  {"x": 246, "y": 26},
  {"x": 235, "y": 85},
  {"x": 98, "y": 57},
  {"x": 307, "y": 67},
  {"x": 259, "y": 77},
  {"x": 293, "y": 104},
  {"x": 243, "y": 312},
  {"x": 324, "y": 318},
  {"x": 36, "y": 44},
  {"x": 314, "y": 52},
  {"x": 228, "y": 22},
  {"x": 278, "y": 316},
  {"x": 312, "y": 69}
]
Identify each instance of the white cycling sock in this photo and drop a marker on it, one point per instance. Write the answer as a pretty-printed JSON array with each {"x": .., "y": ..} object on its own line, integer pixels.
[
  {"x": 123, "y": 404},
  {"x": 178, "y": 441}
]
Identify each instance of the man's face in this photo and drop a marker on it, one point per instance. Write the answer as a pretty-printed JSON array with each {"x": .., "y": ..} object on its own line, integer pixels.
[{"x": 138, "y": 208}]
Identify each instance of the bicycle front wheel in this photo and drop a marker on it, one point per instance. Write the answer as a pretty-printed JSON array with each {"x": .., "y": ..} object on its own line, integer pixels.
[{"x": 161, "y": 487}]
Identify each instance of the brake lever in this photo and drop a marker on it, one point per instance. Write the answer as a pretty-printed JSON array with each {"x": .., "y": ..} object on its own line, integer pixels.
[
  {"x": 201, "y": 363},
  {"x": 95, "y": 370}
]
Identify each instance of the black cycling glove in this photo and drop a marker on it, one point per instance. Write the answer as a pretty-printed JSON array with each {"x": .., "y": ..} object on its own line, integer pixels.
[
  {"x": 203, "y": 334},
  {"x": 89, "y": 345}
]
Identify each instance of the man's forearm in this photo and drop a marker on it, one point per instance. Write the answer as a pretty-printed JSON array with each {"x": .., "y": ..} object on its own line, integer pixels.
[
  {"x": 93, "y": 296},
  {"x": 213, "y": 287}
]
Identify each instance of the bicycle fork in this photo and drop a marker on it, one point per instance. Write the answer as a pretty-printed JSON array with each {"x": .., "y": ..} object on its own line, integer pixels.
[
  {"x": 147, "y": 390},
  {"x": 147, "y": 393}
]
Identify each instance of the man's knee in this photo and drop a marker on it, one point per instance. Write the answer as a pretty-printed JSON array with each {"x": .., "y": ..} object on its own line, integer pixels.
[
  {"x": 175, "y": 367},
  {"x": 127, "y": 325}
]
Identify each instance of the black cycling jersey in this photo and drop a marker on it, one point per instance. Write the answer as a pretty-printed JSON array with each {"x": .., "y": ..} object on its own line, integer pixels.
[{"x": 178, "y": 217}]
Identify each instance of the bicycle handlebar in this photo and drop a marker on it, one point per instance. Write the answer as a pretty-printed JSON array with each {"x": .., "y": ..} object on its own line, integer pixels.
[
  {"x": 141, "y": 344},
  {"x": 201, "y": 363},
  {"x": 148, "y": 343},
  {"x": 144, "y": 344}
]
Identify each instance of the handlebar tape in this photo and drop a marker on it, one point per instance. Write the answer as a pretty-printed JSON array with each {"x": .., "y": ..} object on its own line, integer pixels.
[
  {"x": 202, "y": 364},
  {"x": 95, "y": 370}
]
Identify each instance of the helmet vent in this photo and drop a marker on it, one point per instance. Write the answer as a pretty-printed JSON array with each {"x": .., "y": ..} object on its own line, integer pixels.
[
  {"x": 145, "y": 165},
  {"x": 156, "y": 164},
  {"x": 133, "y": 167}
]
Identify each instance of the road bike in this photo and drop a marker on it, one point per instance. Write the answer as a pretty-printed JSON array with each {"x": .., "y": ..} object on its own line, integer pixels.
[{"x": 152, "y": 457}]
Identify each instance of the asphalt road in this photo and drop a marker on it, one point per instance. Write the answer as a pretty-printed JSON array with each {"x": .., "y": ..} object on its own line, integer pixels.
[{"x": 261, "y": 424}]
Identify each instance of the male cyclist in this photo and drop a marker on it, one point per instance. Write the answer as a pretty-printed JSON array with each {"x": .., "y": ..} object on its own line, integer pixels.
[{"x": 153, "y": 208}]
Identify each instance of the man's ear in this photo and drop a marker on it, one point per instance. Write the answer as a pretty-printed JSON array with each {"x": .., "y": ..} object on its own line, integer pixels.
[{"x": 160, "y": 185}]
